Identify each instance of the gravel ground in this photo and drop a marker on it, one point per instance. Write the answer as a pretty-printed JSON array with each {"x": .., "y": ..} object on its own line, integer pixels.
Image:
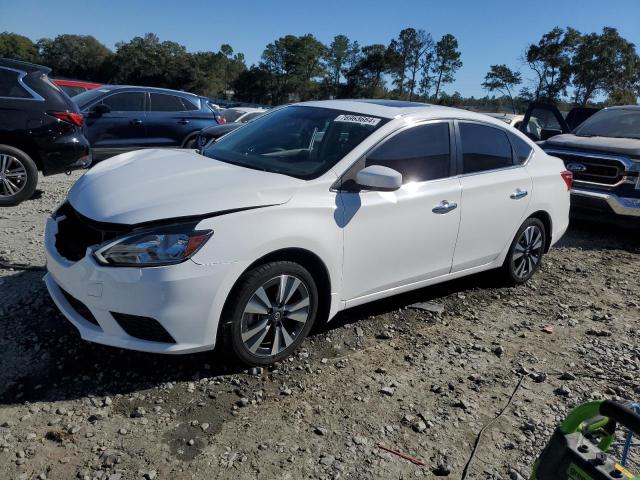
[{"x": 422, "y": 379}]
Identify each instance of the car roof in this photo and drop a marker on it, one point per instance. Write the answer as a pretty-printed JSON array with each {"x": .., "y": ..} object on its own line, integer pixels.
[
  {"x": 396, "y": 109},
  {"x": 113, "y": 88},
  {"x": 24, "y": 66}
]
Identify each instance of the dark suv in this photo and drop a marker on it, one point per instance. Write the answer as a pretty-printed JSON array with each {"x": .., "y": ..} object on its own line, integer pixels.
[
  {"x": 40, "y": 129},
  {"x": 602, "y": 151},
  {"x": 124, "y": 118}
]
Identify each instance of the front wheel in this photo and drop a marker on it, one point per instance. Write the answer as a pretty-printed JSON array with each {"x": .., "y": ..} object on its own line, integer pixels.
[
  {"x": 271, "y": 312},
  {"x": 526, "y": 251}
]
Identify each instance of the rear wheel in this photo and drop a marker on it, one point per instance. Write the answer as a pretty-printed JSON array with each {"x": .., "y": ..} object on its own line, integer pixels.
[
  {"x": 18, "y": 176},
  {"x": 272, "y": 312},
  {"x": 526, "y": 251}
]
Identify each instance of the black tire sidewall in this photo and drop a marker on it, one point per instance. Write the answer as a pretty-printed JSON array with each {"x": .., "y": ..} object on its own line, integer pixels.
[
  {"x": 508, "y": 266},
  {"x": 248, "y": 284},
  {"x": 32, "y": 176}
]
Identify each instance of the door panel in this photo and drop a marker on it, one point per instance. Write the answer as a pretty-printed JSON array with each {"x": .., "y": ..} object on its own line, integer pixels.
[
  {"x": 543, "y": 121},
  {"x": 489, "y": 214},
  {"x": 122, "y": 127},
  {"x": 394, "y": 238}
]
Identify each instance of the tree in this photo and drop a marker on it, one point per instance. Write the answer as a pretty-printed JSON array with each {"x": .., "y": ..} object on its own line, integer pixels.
[
  {"x": 76, "y": 56},
  {"x": 447, "y": 61},
  {"x": 365, "y": 79},
  {"x": 338, "y": 59},
  {"x": 502, "y": 79},
  {"x": 147, "y": 61},
  {"x": 252, "y": 86},
  {"x": 422, "y": 51},
  {"x": 399, "y": 54},
  {"x": 427, "y": 76},
  {"x": 550, "y": 59},
  {"x": 603, "y": 63},
  {"x": 622, "y": 97},
  {"x": 18, "y": 47}
]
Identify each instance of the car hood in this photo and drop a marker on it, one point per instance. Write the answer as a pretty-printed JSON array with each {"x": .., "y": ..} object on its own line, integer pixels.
[
  {"x": 151, "y": 185},
  {"x": 622, "y": 146}
]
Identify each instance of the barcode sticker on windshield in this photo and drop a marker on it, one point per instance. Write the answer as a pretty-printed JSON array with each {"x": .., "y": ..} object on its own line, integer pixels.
[{"x": 373, "y": 121}]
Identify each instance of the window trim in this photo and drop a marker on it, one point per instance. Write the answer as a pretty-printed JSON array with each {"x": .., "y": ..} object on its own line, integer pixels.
[
  {"x": 459, "y": 160},
  {"x": 35, "y": 96},
  {"x": 359, "y": 163}
]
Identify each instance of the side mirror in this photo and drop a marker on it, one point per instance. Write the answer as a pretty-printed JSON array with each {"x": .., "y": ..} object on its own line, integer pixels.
[
  {"x": 377, "y": 177},
  {"x": 100, "y": 109}
]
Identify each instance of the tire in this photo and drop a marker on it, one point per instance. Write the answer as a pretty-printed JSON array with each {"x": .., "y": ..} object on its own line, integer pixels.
[
  {"x": 259, "y": 327},
  {"x": 18, "y": 176},
  {"x": 526, "y": 252},
  {"x": 190, "y": 142}
]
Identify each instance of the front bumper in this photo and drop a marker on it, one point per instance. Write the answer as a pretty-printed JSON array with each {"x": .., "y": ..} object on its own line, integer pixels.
[
  {"x": 605, "y": 202},
  {"x": 184, "y": 299}
]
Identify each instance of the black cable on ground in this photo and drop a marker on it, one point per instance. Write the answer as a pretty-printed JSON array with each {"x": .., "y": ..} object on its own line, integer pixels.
[{"x": 465, "y": 472}]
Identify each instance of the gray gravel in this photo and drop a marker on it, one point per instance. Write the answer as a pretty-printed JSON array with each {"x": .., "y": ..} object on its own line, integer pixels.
[{"x": 421, "y": 373}]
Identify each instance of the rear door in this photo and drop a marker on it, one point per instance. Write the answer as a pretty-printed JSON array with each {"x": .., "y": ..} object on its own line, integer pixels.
[
  {"x": 171, "y": 119},
  {"x": 495, "y": 193},
  {"x": 543, "y": 121},
  {"x": 120, "y": 129}
]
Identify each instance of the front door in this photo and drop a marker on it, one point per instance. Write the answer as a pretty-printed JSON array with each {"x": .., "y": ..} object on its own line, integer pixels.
[{"x": 402, "y": 237}]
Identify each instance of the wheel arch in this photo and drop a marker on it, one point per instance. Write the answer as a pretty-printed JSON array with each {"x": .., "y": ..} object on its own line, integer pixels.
[
  {"x": 545, "y": 218},
  {"x": 190, "y": 136}
]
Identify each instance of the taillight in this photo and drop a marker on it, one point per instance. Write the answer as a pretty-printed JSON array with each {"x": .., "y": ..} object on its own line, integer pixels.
[
  {"x": 73, "y": 118},
  {"x": 222, "y": 120},
  {"x": 567, "y": 176}
]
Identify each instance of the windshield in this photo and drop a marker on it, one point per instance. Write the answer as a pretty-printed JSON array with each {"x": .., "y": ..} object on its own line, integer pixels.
[
  {"x": 299, "y": 141},
  {"x": 617, "y": 122}
]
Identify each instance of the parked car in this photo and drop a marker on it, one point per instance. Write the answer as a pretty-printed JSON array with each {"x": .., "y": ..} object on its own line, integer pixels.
[
  {"x": 40, "y": 129},
  {"x": 74, "y": 87},
  {"x": 242, "y": 114},
  {"x": 516, "y": 120},
  {"x": 305, "y": 211},
  {"x": 603, "y": 152},
  {"x": 214, "y": 133},
  {"x": 122, "y": 118}
]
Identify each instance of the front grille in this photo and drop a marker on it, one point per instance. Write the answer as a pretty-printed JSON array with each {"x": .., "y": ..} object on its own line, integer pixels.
[
  {"x": 80, "y": 308},
  {"x": 76, "y": 233},
  {"x": 144, "y": 328},
  {"x": 605, "y": 171}
]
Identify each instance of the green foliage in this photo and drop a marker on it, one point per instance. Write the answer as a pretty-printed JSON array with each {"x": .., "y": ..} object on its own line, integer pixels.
[
  {"x": 18, "y": 47},
  {"x": 502, "y": 79},
  {"x": 339, "y": 58},
  {"x": 447, "y": 61},
  {"x": 75, "y": 56}
]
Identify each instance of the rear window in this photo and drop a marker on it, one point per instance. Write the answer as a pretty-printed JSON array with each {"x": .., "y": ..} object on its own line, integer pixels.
[
  {"x": 162, "y": 102},
  {"x": 522, "y": 149},
  {"x": 10, "y": 86},
  {"x": 484, "y": 148}
]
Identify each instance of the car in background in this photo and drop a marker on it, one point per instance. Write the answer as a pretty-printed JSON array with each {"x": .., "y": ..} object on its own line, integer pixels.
[
  {"x": 602, "y": 151},
  {"x": 40, "y": 129},
  {"x": 209, "y": 134},
  {"x": 308, "y": 210},
  {"x": 242, "y": 114},
  {"x": 515, "y": 120},
  {"x": 74, "y": 87},
  {"x": 124, "y": 118}
]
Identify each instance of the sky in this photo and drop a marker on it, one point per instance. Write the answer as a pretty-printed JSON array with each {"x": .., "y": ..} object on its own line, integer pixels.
[{"x": 489, "y": 31}]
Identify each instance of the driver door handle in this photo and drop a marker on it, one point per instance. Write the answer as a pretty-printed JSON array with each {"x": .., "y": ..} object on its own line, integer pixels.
[
  {"x": 444, "y": 207},
  {"x": 183, "y": 121},
  {"x": 136, "y": 121},
  {"x": 518, "y": 194}
]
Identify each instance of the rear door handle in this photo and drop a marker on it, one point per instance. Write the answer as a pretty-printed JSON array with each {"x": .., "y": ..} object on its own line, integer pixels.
[
  {"x": 136, "y": 121},
  {"x": 183, "y": 121},
  {"x": 518, "y": 194},
  {"x": 444, "y": 207}
]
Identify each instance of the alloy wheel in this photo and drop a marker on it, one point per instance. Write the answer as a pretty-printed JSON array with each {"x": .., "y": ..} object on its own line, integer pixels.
[
  {"x": 275, "y": 315},
  {"x": 528, "y": 251},
  {"x": 13, "y": 176}
]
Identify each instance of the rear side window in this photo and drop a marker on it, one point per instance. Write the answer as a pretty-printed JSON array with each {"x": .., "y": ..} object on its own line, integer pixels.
[
  {"x": 9, "y": 85},
  {"x": 484, "y": 148},
  {"x": 166, "y": 103},
  {"x": 420, "y": 153},
  {"x": 523, "y": 149},
  {"x": 125, "y": 102}
]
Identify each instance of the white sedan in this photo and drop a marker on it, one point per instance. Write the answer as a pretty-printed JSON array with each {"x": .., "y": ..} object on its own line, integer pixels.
[{"x": 308, "y": 210}]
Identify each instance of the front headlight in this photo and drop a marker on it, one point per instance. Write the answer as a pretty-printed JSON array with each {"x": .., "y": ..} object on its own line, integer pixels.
[{"x": 158, "y": 246}]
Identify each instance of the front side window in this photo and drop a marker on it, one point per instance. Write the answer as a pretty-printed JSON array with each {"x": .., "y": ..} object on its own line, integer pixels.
[
  {"x": 299, "y": 141},
  {"x": 484, "y": 148},
  {"x": 161, "y": 102},
  {"x": 125, "y": 102},
  {"x": 419, "y": 153},
  {"x": 10, "y": 86}
]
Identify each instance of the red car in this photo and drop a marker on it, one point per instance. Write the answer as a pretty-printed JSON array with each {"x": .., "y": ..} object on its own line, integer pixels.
[{"x": 74, "y": 87}]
